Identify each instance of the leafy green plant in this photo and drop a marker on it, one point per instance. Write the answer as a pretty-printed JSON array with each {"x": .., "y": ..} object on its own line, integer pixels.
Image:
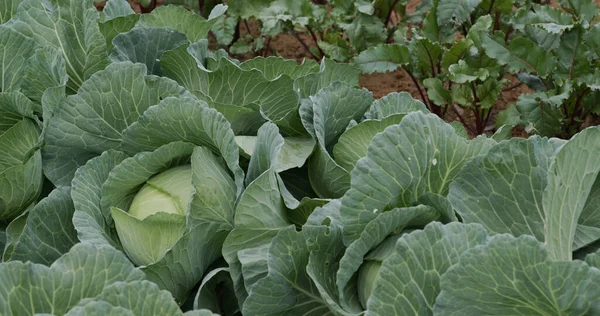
[
  {"x": 333, "y": 29},
  {"x": 455, "y": 75},
  {"x": 99, "y": 279},
  {"x": 563, "y": 43},
  {"x": 461, "y": 53}
]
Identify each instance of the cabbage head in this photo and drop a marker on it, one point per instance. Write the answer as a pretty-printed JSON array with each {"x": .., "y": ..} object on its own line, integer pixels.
[
  {"x": 169, "y": 210},
  {"x": 162, "y": 204},
  {"x": 166, "y": 195}
]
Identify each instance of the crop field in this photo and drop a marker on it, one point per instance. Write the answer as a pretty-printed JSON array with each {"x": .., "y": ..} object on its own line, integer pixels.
[{"x": 299, "y": 157}]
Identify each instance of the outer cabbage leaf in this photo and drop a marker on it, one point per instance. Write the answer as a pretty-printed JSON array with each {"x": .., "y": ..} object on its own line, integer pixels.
[
  {"x": 8, "y": 9},
  {"x": 48, "y": 232},
  {"x": 185, "y": 120},
  {"x": 16, "y": 49},
  {"x": 146, "y": 45},
  {"x": 45, "y": 69},
  {"x": 394, "y": 103},
  {"x": 260, "y": 214},
  {"x": 98, "y": 308},
  {"x": 92, "y": 121},
  {"x": 273, "y": 67},
  {"x": 94, "y": 225},
  {"x": 116, "y": 8},
  {"x": 353, "y": 144},
  {"x": 70, "y": 26},
  {"x": 409, "y": 280},
  {"x": 329, "y": 72},
  {"x": 112, "y": 27},
  {"x": 288, "y": 281},
  {"x": 11, "y": 232},
  {"x": 227, "y": 85},
  {"x": 132, "y": 298},
  {"x": 375, "y": 232},
  {"x": 570, "y": 180},
  {"x": 215, "y": 285},
  {"x": 421, "y": 154},
  {"x": 138, "y": 297},
  {"x": 502, "y": 190},
  {"x": 194, "y": 26},
  {"x": 293, "y": 154},
  {"x": 187, "y": 262},
  {"x": 83, "y": 272},
  {"x": 515, "y": 276},
  {"x": 303, "y": 265},
  {"x": 326, "y": 116}
]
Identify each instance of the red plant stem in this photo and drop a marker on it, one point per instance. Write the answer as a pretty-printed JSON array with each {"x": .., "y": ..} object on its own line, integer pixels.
[
  {"x": 433, "y": 74},
  {"x": 389, "y": 15},
  {"x": 247, "y": 26},
  {"x": 476, "y": 109},
  {"x": 416, "y": 83},
  {"x": 236, "y": 35},
  {"x": 491, "y": 7},
  {"x": 516, "y": 85},
  {"x": 445, "y": 109},
  {"x": 314, "y": 37},
  {"x": 267, "y": 47},
  {"x": 487, "y": 118},
  {"x": 201, "y": 7},
  {"x": 149, "y": 9},
  {"x": 508, "y": 32},
  {"x": 462, "y": 120},
  {"x": 303, "y": 44},
  {"x": 497, "y": 21},
  {"x": 578, "y": 110}
]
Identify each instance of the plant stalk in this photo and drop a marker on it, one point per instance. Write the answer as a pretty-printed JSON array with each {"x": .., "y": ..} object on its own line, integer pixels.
[
  {"x": 516, "y": 85},
  {"x": 247, "y": 27},
  {"x": 303, "y": 44},
  {"x": 236, "y": 35},
  {"x": 416, "y": 83},
  {"x": 462, "y": 120},
  {"x": 267, "y": 47},
  {"x": 201, "y": 7},
  {"x": 477, "y": 110},
  {"x": 315, "y": 39},
  {"x": 389, "y": 15},
  {"x": 149, "y": 9}
]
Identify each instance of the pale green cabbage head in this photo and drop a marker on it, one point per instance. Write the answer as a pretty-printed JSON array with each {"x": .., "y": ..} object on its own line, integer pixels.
[
  {"x": 169, "y": 191},
  {"x": 156, "y": 218}
]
